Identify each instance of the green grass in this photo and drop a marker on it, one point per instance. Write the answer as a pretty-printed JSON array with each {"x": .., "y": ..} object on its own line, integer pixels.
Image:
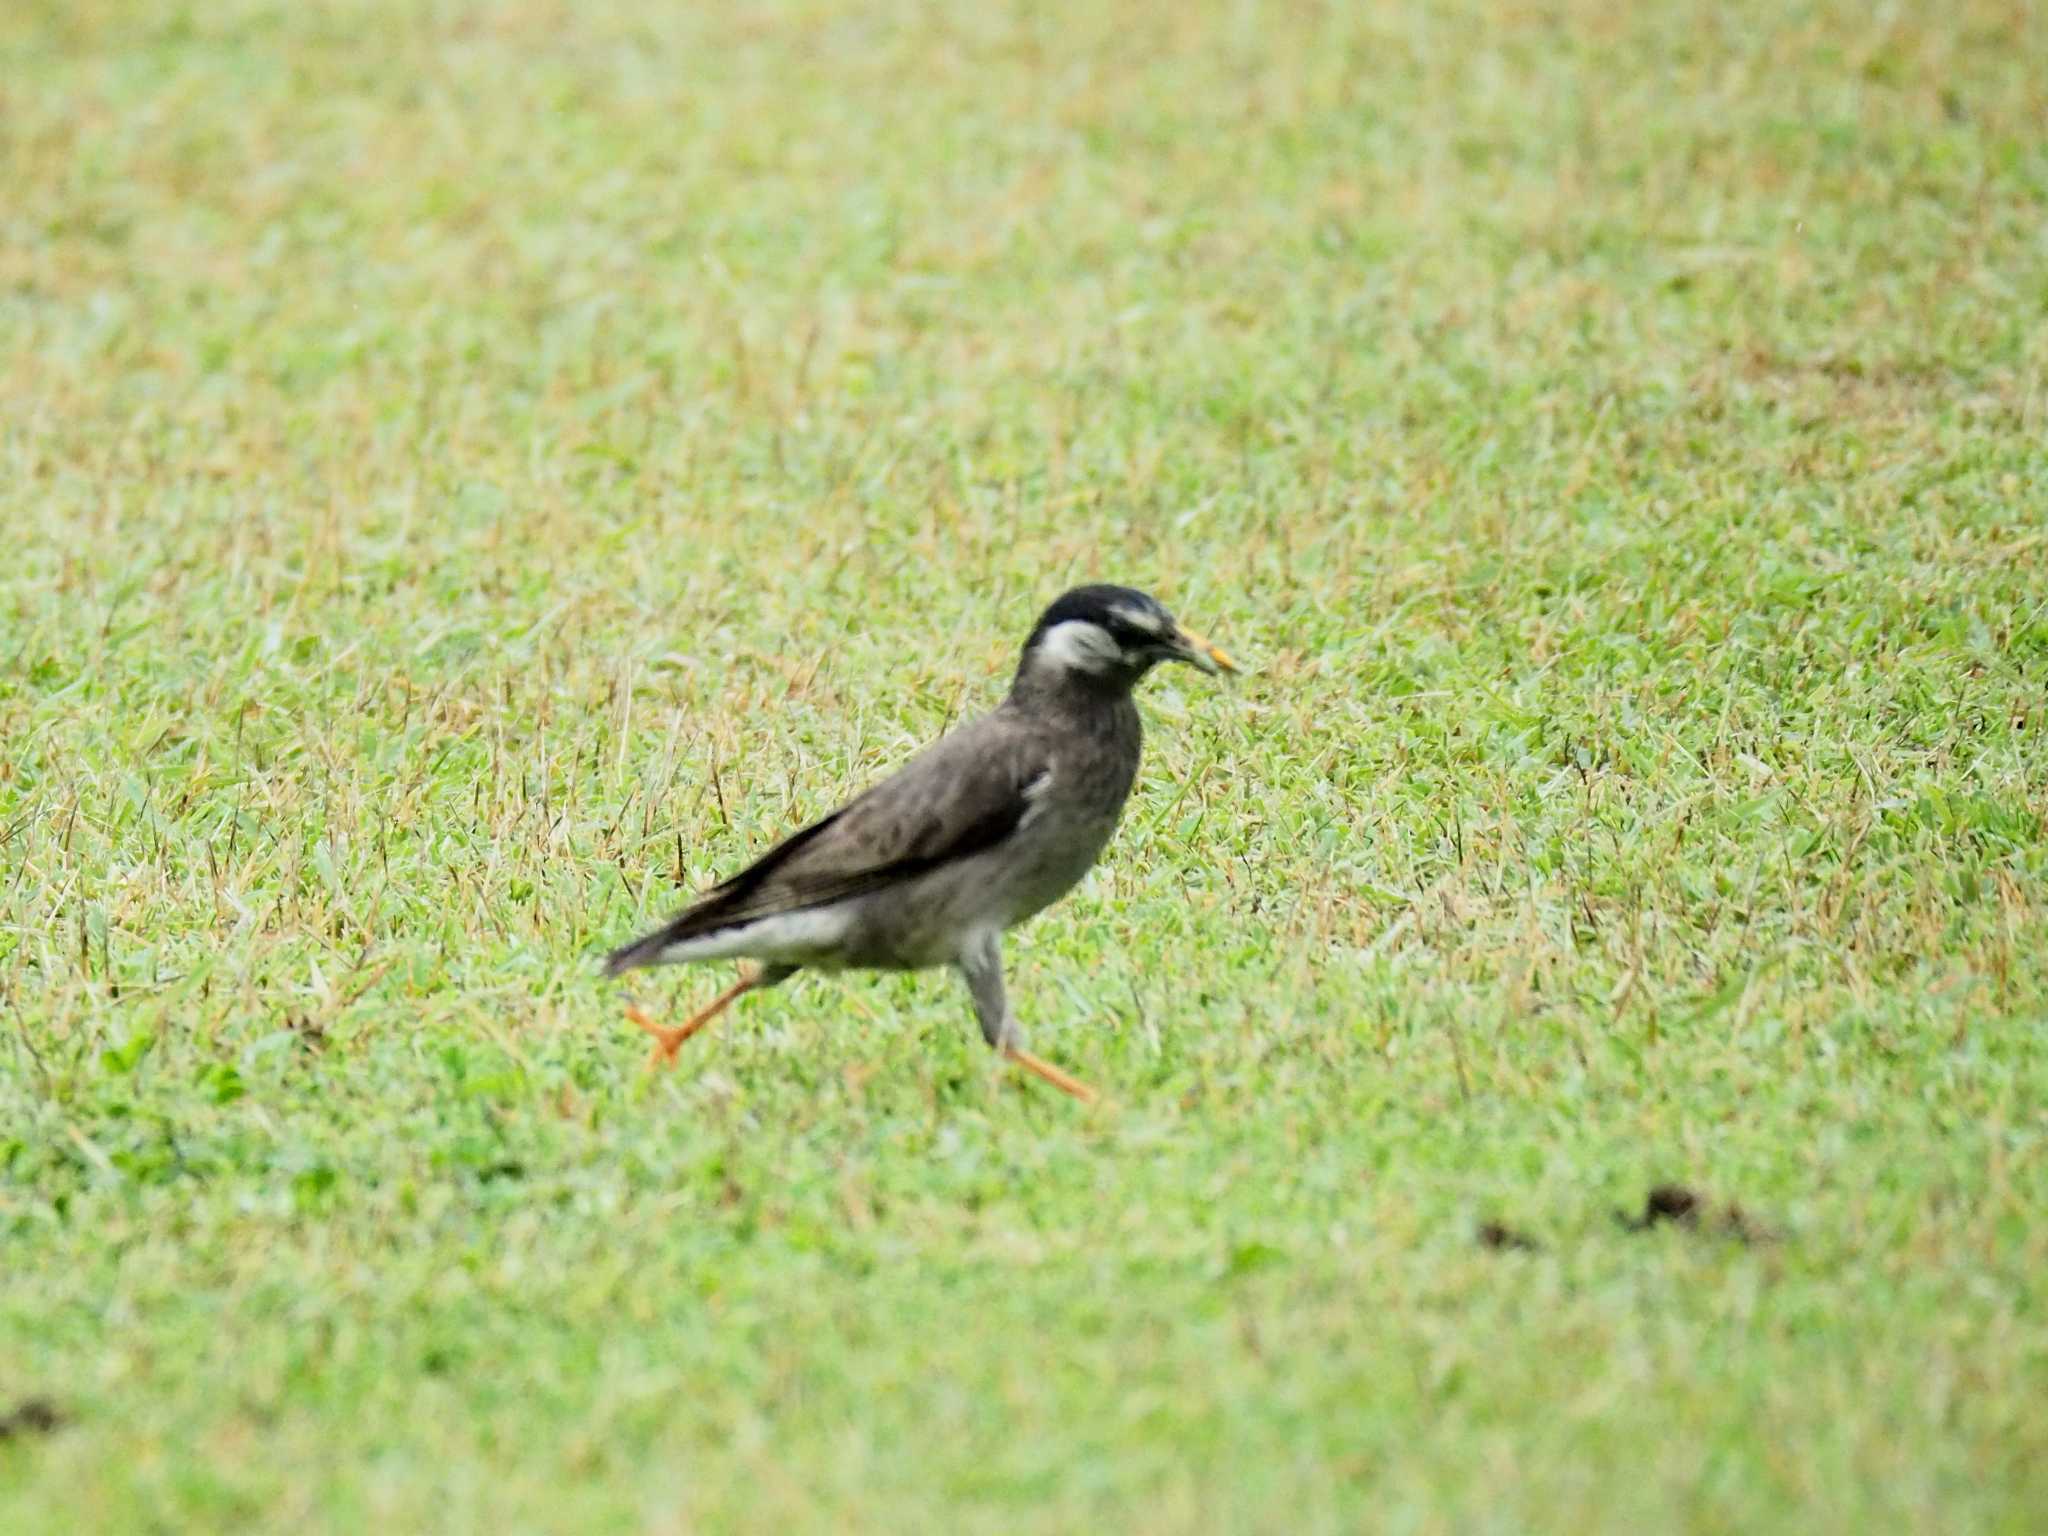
[{"x": 471, "y": 473}]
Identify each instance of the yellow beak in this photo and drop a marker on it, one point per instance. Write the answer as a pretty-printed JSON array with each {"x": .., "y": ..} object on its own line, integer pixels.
[{"x": 1210, "y": 658}]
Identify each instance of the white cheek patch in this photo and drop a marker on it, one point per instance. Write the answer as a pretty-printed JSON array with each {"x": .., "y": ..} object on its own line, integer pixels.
[{"x": 1079, "y": 646}]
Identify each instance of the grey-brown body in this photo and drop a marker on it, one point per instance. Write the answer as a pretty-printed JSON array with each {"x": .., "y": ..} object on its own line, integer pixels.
[
  {"x": 985, "y": 828},
  {"x": 1073, "y": 780}
]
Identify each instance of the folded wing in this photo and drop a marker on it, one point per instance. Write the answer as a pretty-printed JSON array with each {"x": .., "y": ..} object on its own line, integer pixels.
[{"x": 964, "y": 794}]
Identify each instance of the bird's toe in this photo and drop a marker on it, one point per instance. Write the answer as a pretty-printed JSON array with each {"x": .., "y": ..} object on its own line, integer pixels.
[{"x": 667, "y": 1041}]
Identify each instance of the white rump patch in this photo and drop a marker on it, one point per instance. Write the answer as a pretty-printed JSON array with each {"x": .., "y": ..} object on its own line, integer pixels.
[
  {"x": 1076, "y": 645},
  {"x": 798, "y": 938}
]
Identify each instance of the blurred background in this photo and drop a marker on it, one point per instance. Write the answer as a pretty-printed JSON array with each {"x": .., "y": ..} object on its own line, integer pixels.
[
  {"x": 902, "y": 297},
  {"x": 471, "y": 472}
]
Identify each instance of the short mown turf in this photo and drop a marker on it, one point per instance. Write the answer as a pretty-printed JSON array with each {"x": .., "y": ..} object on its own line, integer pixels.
[{"x": 470, "y": 473}]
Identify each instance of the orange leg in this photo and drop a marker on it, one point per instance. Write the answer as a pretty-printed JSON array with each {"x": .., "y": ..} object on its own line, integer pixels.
[
  {"x": 1053, "y": 1075},
  {"x": 668, "y": 1040}
]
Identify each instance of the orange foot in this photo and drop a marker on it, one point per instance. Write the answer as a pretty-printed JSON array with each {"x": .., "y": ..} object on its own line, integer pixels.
[
  {"x": 1039, "y": 1067},
  {"x": 668, "y": 1039}
]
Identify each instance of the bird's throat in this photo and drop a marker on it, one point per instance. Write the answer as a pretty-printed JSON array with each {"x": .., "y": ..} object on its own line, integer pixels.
[{"x": 1042, "y": 684}]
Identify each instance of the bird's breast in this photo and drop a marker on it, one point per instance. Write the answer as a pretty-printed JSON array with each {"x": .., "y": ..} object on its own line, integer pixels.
[{"x": 1060, "y": 842}]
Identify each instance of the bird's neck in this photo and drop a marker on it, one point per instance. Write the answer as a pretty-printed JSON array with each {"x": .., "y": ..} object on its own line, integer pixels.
[{"x": 1043, "y": 687}]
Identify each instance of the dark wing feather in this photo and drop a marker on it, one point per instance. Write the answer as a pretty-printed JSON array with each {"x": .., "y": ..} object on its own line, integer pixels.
[{"x": 964, "y": 794}]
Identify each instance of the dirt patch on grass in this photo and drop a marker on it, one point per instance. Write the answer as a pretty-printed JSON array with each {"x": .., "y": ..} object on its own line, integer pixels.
[
  {"x": 32, "y": 1416},
  {"x": 1679, "y": 1206},
  {"x": 1501, "y": 1237}
]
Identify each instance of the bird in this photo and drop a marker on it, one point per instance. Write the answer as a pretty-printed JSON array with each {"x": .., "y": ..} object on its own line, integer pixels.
[{"x": 988, "y": 826}]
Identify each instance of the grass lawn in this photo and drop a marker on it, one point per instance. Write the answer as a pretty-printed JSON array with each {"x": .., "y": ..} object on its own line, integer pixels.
[{"x": 471, "y": 472}]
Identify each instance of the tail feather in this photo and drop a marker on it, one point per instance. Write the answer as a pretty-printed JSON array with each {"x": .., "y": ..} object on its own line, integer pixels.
[
  {"x": 701, "y": 932},
  {"x": 702, "y": 920},
  {"x": 643, "y": 951},
  {"x": 807, "y": 936}
]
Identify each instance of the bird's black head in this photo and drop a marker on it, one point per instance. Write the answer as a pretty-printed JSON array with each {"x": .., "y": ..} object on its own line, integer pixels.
[{"x": 1110, "y": 637}]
